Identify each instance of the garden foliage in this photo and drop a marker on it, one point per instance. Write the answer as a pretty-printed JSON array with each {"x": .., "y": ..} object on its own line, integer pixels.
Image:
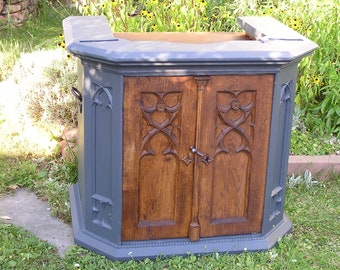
[{"x": 318, "y": 89}]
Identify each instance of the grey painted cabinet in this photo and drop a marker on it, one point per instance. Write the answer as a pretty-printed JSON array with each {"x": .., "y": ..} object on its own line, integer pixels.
[{"x": 184, "y": 141}]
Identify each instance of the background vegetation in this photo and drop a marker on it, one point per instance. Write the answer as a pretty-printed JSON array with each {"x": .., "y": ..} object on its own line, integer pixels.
[
  {"x": 316, "y": 128},
  {"x": 36, "y": 77},
  {"x": 318, "y": 89}
]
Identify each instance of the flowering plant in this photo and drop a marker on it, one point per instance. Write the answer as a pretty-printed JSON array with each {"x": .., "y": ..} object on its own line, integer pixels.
[
  {"x": 318, "y": 90},
  {"x": 160, "y": 15}
]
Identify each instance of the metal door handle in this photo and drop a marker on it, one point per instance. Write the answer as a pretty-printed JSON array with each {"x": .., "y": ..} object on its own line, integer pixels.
[
  {"x": 78, "y": 95},
  {"x": 204, "y": 157}
]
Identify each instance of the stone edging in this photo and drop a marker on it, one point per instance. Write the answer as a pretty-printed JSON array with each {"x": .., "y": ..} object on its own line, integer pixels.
[
  {"x": 17, "y": 11},
  {"x": 317, "y": 165}
]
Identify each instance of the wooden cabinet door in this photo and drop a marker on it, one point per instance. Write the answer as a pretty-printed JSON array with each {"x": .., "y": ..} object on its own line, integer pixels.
[
  {"x": 159, "y": 125},
  {"x": 235, "y": 129},
  {"x": 169, "y": 192}
]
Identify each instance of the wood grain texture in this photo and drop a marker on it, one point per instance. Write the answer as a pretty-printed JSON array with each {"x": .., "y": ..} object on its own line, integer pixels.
[
  {"x": 169, "y": 192},
  {"x": 183, "y": 37},
  {"x": 236, "y": 125},
  {"x": 159, "y": 124}
]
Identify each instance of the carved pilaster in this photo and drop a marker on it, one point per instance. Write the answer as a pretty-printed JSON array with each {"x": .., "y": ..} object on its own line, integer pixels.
[{"x": 202, "y": 82}]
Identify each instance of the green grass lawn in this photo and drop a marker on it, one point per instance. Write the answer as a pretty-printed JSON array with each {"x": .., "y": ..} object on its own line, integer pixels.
[{"x": 313, "y": 244}]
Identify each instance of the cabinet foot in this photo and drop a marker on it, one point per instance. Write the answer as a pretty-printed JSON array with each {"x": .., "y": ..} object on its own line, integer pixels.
[{"x": 194, "y": 233}]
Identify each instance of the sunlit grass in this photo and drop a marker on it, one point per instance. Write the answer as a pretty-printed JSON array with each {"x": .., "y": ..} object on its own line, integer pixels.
[{"x": 313, "y": 244}]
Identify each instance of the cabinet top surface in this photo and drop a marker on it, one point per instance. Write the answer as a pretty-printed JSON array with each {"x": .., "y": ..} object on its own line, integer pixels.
[
  {"x": 183, "y": 37},
  {"x": 264, "y": 40}
]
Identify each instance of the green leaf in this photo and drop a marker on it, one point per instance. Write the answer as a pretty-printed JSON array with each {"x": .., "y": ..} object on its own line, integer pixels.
[
  {"x": 330, "y": 112},
  {"x": 337, "y": 109},
  {"x": 12, "y": 263}
]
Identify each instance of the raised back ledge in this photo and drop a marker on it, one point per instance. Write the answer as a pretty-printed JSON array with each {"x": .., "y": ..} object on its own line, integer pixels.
[
  {"x": 267, "y": 28},
  {"x": 80, "y": 28},
  {"x": 91, "y": 37},
  {"x": 92, "y": 28}
]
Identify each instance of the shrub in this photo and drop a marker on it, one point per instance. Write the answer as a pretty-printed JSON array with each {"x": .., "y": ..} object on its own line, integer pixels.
[{"x": 46, "y": 94}]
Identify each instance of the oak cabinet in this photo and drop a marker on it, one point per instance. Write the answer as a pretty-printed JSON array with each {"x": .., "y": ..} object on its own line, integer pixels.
[
  {"x": 171, "y": 192},
  {"x": 183, "y": 137}
]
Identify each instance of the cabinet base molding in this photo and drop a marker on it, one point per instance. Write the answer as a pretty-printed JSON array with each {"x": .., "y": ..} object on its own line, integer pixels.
[{"x": 171, "y": 247}]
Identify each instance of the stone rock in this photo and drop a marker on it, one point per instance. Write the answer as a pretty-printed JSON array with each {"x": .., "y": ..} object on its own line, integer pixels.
[
  {"x": 13, "y": 8},
  {"x": 68, "y": 145},
  {"x": 68, "y": 150},
  {"x": 70, "y": 134},
  {"x": 17, "y": 11}
]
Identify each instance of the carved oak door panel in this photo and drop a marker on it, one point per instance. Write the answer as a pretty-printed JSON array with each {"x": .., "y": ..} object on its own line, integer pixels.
[
  {"x": 218, "y": 188},
  {"x": 235, "y": 134},
  {"x": 159, "y": 124}
]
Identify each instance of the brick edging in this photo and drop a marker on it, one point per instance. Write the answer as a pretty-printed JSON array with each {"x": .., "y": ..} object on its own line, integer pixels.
[{"x": 317, "y": 165}]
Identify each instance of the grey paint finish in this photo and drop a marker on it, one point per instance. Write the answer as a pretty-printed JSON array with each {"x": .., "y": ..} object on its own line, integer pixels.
[
  {"x": 96, "y": 200},
  {"x": 154, "y": 248},
  {"x": 268, "y": 29},
  {"x": 85, "y": 40},
  {"x": 281, "y": 122}
]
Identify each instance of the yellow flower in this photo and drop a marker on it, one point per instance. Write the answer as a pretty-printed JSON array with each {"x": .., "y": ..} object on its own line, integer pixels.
[
  {"x": 149, "y": 16},
  {"x": 226, "y": 15},
  {"x": 62, "y": 44},
  {"x": 316, "y": 79},
  {"x": 295, "y": 26},
  {"x": 203, "y": 3}
]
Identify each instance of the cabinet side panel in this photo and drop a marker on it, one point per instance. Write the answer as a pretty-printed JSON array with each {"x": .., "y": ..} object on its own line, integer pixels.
[
  {"x": 102, "y": 151},
  {"x": 283, "y": 107}
]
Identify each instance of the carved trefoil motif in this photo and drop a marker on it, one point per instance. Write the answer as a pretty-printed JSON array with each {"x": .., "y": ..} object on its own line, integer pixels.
[
  {"x": 102, "y": 96},
  {"x": 235, "y": 119},
  {"x": 160, "y": 111}
]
